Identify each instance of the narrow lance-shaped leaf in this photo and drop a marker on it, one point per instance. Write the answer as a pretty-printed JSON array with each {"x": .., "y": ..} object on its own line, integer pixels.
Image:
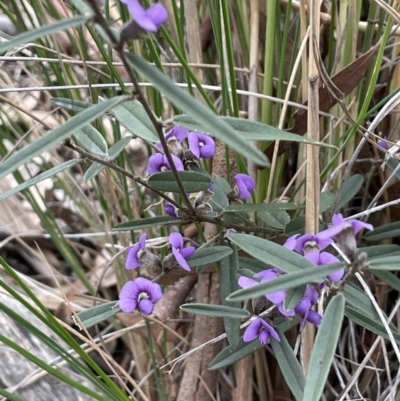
[
  {"x": 324, "y": 349},
  {"x": 290, "y": 366},
  {"x": 98, "y": 313},
  {"x": 133, "y": 225},
  {"x": 216, "y": 310},
  {"x": 134, "y": 117},
  {"x": 251, "y": 130},
  {"x": 40, "y": 177},
  {"x": 286, "y": 281},
  {"x": 57, "y": 135},
  {"x": 113, "y": 152},
  {"x": 213, "y": 124},
  {"x": 32, "y": 35},
  {"x": 205, "y": 256},
  {"x": 271, "y": 253},
  {"x": 191, "y": 181},
  {"x": 229, "y": 267}
]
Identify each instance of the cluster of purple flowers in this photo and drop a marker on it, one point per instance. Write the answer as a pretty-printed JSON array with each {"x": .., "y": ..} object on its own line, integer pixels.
[
  {"x": 141, "y": 293},
  {"x": 311, "y": 246},
  {"x": 199, "y": 145}
]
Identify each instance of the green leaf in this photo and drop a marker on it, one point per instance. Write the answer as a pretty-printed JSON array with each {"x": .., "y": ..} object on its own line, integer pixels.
[
  {"x": 113, "y": 153},
  {"x": 275, "y": 218},
  {"x": 369, "y": 323},
  {"x": 133, "y": 225},
  {"x": 253, "y": 264},
  {"x": 267, "y": 251},
  {"x": 216, "y": 310},
  {"x": 251, "y": 130},
  {"x": 57, "y": 135},
  {"x": 98, "y": 313},
  {"x": 388, "y": 278},
  {"x": 9, "y": 396},
  {"x": 286, "y": 281},
  {"x": 262, "y": 207},
  {"x": 134, "y": 117},
  {"x": 219, "y": 200},
  {"x": 229, "y": 267},
  {"x": 375, "y": 251},
  {"x": 91, "y": 139},
  {"x": 326, "y": 200},
  {"x": 70, "y": 104},
  {"x": 192, "y": 182},
  {"x": 385, "y": 263},
  {"x": 324, "y": 349},
  {"x": 296, "y": 226},
  {"x": 290, "y": 366},
  {"x": 387, "y": 231},
  {"x": 205, "y": 256},
  {"x": 32, "y": 35},
  {"x": 349, "y": 190},
  {"x": 212, "y": 124},
  {"x": 293, "y": 297},
  {"x": 40, "y": 177},
  {"x": 232, "y": 354}
]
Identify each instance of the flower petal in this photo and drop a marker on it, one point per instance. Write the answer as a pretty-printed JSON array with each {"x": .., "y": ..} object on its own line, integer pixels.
[
  {"x": 142, "y": 241},
  {"x": 271, "y": 330},
  {"x": 263, "y": 337},
  {"x": 245, "y": 185},
  {"x": 128, "y": 297},
  {"x": 156, "y": 163},
  {"x": 276, "y": 297},
  {"x": 360, "y": 225},
  {"x": 337, "y": 275},
  {"x": 180, "y": 259},
  {"x": 314, "y": 317},
  {"x": 132, "y": 261},
  {"x": 157, "y": 14},
  {"x": 193, "y": 142},
  {"x": 246, "y": 282},
  {"x": 145, "y": 306},
  {"x": 176, "y": 240},
  {"x": 252, "y": 330},
  {"x": 170, "y": 210},
  {"x": 326, "y": 258},
  {"x": 188, "y": 251}
]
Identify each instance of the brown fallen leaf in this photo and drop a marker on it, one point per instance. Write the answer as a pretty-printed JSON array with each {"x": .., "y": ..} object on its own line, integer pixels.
[{"x": 343, "y": 82}]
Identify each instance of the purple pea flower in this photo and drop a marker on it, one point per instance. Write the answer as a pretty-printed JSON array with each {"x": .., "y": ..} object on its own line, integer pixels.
[
  {"x": 275, "y": 297},
  {"x": 150, "y": 19},
  {"x": 158, "y": 163},
  {"x": 133, "y": 260},
  {"x": 260, "y": 329},
  {"x": 383, "y": 143},
  {"x": 201, "y": 145},
  {"x": 339, "y": 224},
  {"x": 245, "y": 185},
  {"x": 140, "y": 294},
  {"x": 180, "y": 253},
  {"x": 325, "y": 258},
  {"x": 169, "y": 208},
  {"x": 177, "y": 133},
  {"x": 312, "y": 241}
]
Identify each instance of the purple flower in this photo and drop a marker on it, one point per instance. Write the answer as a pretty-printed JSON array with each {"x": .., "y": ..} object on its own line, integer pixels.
[
  {"x": 133, "y": 260},
  {"x": 275, "y": 297},
  {"x": 180, "y": 253},
  {"x": 383, "y": 143},
  {"x": 150, "y": 19},
  {"x": 201, "y": 145},
  {"x": 339, "y": 224},
  {"x": 245, "y": 185},
  {"x": 325, "y": 258},
  {"x": 158, "y": 163},
  {"x": 311, "y": 241},
  {"x": 169, "y": 208},
  {"x": 177, "y": 133},
  {"x": 291, "y": 242},
  {"x": 260, "y": 329},
  {"x": 139, "y": 294}
]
